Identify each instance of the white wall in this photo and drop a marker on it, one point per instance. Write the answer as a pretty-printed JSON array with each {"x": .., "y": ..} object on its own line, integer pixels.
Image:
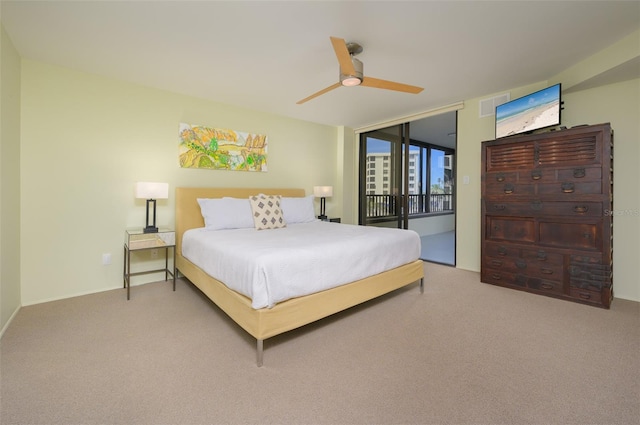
[
  {"x": 426, "y": 226},
  {"x": 9, "y": 180},
  {"x": 86, "y": 140}
]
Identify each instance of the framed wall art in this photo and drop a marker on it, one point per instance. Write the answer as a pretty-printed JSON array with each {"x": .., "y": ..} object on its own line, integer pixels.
[{"x": 221, "y": 149}]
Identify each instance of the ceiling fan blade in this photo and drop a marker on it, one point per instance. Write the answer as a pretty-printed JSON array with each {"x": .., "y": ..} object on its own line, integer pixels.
[
  {"x": 390, "y": 85},
  {"x": 344, "y": 58},
  {"x": 323, "y": 91}
]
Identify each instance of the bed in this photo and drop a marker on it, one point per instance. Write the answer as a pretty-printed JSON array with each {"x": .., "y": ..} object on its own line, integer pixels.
[{"x": 277, "y": 316}]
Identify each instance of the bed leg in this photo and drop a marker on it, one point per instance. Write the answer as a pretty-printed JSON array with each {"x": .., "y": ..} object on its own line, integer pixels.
[
  {"x": 422, "y": 285},
  {"x": 259, "y": 350}
]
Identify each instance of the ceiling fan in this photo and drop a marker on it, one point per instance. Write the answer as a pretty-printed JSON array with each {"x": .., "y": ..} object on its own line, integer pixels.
[{"x": 351, "y": 72}]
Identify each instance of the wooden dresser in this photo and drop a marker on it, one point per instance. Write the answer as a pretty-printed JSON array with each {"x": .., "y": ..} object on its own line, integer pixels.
[{"x": 547, "y": 213}]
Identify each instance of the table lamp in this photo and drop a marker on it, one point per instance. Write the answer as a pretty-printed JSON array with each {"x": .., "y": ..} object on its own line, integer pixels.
[
  {"x": 323, "y": 192},
  {"x": 151, "y": 191}
]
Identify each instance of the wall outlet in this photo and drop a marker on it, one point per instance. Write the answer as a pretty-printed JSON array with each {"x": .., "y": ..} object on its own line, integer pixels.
[
  {"x": 106, "y": 259},
  {"x": 154, "y": 253}
]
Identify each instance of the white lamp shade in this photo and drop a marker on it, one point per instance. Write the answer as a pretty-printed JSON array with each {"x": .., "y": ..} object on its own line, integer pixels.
[
  {"x": 150, "y": 190},
  {"x": 323, "y": 191}
]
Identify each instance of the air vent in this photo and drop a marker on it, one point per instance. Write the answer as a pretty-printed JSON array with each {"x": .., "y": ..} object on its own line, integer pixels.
[{"x": 488, "y": 106}]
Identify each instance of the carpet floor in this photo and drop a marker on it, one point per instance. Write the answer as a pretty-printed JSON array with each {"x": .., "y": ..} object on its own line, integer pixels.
[{"x": 463, "y": 352}]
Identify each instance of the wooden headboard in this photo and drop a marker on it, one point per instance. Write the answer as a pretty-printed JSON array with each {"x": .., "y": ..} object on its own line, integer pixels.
[{"x": 188, "y": 214}]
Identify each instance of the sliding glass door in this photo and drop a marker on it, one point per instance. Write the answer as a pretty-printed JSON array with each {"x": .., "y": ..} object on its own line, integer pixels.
[
  {"x": 409, "y": 183},
  {"x": 383, "y": 179}
]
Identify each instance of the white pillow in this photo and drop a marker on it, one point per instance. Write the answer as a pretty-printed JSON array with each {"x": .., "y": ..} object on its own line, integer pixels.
[
  {"x": 267, "y": 213},
  {"x": 298, "y": 210},
  {"x": 226, "y": 213}
]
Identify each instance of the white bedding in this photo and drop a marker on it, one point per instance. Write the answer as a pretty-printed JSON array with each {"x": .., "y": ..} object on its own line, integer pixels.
[{"x": 270, "y": 266}]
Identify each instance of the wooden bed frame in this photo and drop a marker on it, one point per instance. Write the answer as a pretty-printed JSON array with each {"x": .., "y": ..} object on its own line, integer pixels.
[{"x": 291, "y": 314}]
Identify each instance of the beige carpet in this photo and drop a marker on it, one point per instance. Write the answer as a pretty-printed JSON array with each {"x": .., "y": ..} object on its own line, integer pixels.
[{"x": 461, "y": 353}]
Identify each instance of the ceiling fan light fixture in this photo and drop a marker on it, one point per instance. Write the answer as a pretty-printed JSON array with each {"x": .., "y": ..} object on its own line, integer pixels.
[
  {"x": 351, "y": 72},
  {"x": 351, "y": 81}
]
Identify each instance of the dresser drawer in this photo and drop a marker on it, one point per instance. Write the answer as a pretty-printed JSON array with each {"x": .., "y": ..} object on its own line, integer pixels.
[
  {"x": 538, "y": 208},
  {"x": 546, "y": 286},
  {"x": 499, "y": 250},
  {"x": 506, "y": 250},
  {"x": 543, "y": 256},
  {"x": 570, "y": 235},
  {"x": 587, "y": 273},
  {"x": 510, "y": 229},
  {"x": 577, "y": 174},
  {"x": 502, "y": 278},
  {"x": 570, "y": 188},
  {"x": 586, "y": 295},
  {"x": 522, "y": 281},
  {"x": 526, "y": 267},
  {"x": 502, "y": 177},
  {"x": 515, "y": 189},
  {"x": 552, "y": 175}
]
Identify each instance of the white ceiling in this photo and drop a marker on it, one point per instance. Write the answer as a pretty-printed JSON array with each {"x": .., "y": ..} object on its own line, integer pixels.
[{"x": 267, "y": 55}]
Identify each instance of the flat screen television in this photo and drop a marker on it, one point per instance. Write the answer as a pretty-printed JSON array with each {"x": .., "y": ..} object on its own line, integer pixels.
[{"x": 528, "y": 113}]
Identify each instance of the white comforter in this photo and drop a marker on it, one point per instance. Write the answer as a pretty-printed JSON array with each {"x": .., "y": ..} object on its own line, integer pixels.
[{"x": 270, "y": 266}]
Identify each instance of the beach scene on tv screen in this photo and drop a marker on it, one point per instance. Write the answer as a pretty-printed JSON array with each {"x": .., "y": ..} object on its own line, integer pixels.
[{"x": 528, "y": 113}]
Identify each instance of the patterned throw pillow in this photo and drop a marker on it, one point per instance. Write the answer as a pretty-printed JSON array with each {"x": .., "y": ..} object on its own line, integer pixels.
[{"x": 267, "y": 213}]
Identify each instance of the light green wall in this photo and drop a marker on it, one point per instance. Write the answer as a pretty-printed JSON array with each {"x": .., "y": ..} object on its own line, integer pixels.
[
  {"x": 86, "y": 140},
  {"x": 617, "y": 103},
  {"x": 472, "y": 131},
  {"x": 347, "y": 161},
  {"x": 9, "y": 180}
]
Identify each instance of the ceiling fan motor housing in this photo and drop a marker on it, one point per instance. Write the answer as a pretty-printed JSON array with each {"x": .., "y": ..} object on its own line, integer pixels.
[{"x": 352, "y": 80}]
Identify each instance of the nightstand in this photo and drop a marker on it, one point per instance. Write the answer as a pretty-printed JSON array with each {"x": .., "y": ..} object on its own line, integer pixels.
[{"x": 137, "y": 240}]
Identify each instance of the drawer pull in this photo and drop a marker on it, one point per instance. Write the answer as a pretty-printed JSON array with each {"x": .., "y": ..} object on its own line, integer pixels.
[
  {"x": 508, "y": 188},
  {"x": 502, "y": 250},
  {"x": 536, "y": 205},
  {"x": 581, "y": 209},
  {"x": 567, "y": 187},
  {"x": 499, "y": 207},
  {"x": 536, "y": 175},
  {"x": 579, "y": 173},
  {"x": 586, "y": 235},
  {"x": 546, "y": 286},
  {"x": 496, "y": 263},
  {"x": 500, "y": 177},
  {"x": 496, "y": 276},
  {"x": 584, "y": 295},
  {"x": 546, "y": 271},
  {"x": 521, "y": 264},
  {"x": 542, "y": 256}
]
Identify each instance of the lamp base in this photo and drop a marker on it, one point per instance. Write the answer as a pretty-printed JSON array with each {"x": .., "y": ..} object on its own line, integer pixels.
[
  {"x": 150, "y": 229},
  {"x": 323, "y": 217}
]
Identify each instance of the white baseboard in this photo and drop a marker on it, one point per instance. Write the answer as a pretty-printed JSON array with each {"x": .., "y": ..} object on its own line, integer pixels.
[{"x": 6, "y": 326}]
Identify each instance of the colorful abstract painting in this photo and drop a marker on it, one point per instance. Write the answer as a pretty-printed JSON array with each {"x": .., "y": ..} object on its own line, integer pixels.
[{"x": 221, "y": 149}]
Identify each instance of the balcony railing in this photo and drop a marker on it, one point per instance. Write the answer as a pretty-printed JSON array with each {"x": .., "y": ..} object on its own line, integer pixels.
[{"x": 386, "y": 205}]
